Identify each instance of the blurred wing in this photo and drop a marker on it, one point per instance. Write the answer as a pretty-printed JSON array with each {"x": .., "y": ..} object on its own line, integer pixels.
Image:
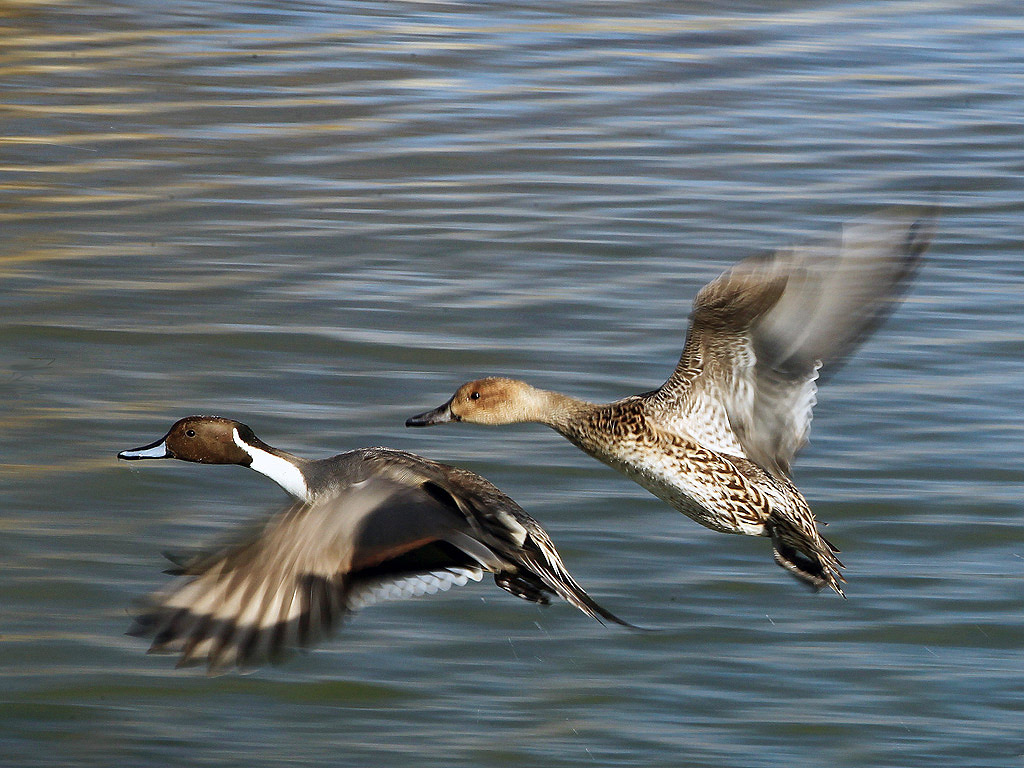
[
  {"x": 529, "y": 565},
  {"x": 745, "y": 383},
  {"x": 297, "y": 579}
]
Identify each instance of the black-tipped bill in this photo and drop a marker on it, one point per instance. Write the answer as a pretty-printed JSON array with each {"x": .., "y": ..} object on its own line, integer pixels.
[
  {"x": 157, "y": 450},
  {"x": 441, "y": 415}
]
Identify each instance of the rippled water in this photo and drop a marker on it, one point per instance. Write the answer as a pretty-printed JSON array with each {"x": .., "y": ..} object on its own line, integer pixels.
[{"x": 321, "y": 218}]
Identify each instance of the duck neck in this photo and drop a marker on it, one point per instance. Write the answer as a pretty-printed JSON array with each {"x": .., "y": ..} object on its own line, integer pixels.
[
  {"x": 558, "y": 411},
  {"x": 281, "y": 467}
]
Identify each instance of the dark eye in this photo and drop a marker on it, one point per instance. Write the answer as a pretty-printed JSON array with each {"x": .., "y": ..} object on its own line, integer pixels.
[
  {"x": 190, "y": 433},
  {"x": 475, "y": 396}
]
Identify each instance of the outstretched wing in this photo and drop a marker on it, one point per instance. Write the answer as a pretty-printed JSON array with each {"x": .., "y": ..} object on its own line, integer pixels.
[
  {"x": 745, "y": 383},
  {"x": 410, "y": 527},
  {"x": 312, "y": 564}
]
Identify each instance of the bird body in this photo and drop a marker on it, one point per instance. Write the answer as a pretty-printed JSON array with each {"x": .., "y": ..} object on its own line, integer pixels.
[
  {"x": 716, "y": 440},
  {"x": 367, "y": 525}
]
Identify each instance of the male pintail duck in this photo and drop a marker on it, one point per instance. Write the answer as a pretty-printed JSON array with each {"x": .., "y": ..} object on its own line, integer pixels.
[
  {"x": 369, "y": 525},
  {"x": 716, "y": 440}
]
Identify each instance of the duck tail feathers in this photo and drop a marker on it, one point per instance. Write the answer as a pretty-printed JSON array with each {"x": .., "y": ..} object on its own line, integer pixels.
[
  {"x": 547, "y": 566},
  {"x": 806, "y": 554}
]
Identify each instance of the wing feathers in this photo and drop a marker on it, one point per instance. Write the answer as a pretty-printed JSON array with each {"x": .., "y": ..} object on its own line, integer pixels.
[
  {"x": 402, "y": 588},
  {"x": 746, "y": 381},
  {"x": 311, "y": 565}
]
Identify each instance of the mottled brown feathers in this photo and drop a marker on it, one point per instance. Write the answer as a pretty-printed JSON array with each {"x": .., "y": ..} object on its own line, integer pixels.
[
  {"x": 717, "y": 438},
  {"x": 735, "y": 300}
]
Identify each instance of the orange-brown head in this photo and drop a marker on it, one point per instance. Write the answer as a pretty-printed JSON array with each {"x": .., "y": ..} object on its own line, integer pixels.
[{"x": 492, "y": 400}]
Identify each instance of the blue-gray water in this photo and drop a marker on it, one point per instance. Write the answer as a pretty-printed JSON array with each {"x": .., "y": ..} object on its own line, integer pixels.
[{"x": 320, "y": 218}]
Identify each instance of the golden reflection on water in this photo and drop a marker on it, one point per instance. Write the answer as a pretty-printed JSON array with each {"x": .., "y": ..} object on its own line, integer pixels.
[
  {"x": 37, "y": 471},
  {"x": 10, "y": 263}
]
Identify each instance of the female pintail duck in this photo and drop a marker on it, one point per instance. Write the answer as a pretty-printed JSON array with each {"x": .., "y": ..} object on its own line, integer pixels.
[
  {"x": 369, "y": 525},
  {"x": 716, "y": 440}
]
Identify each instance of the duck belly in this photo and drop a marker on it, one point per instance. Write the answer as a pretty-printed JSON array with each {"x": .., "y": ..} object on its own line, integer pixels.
[{"x": 702, "y": 484}]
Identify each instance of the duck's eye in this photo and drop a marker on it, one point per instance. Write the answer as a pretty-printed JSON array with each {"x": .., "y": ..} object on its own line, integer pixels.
[
  {"x": 475, "y": 396},
  {"x": 190, "y": 433}
]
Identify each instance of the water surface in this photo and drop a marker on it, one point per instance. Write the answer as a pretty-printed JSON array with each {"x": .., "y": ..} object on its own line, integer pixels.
[{"x": 321, "y": 218}]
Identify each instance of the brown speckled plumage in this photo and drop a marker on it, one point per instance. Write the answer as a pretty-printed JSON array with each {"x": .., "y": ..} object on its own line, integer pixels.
[{"x": 717, "y": 438}]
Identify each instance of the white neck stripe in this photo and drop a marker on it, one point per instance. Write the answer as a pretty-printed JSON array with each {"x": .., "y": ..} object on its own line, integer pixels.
[{"x": 281, "y": 471}]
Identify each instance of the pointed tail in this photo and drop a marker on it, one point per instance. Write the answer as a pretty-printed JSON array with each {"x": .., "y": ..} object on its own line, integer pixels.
[
  {"x": 806, "y": 554},
  {"x": 547, "y": 566}
]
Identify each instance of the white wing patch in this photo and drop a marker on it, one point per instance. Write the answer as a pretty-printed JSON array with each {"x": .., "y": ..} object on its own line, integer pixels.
[
  {"x": 411, "y": 586},
  {"x": 803, "y": 409}
]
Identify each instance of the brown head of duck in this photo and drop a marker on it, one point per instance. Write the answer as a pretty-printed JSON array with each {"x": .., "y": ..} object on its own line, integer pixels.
[{"x": 495, "y": 400}]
